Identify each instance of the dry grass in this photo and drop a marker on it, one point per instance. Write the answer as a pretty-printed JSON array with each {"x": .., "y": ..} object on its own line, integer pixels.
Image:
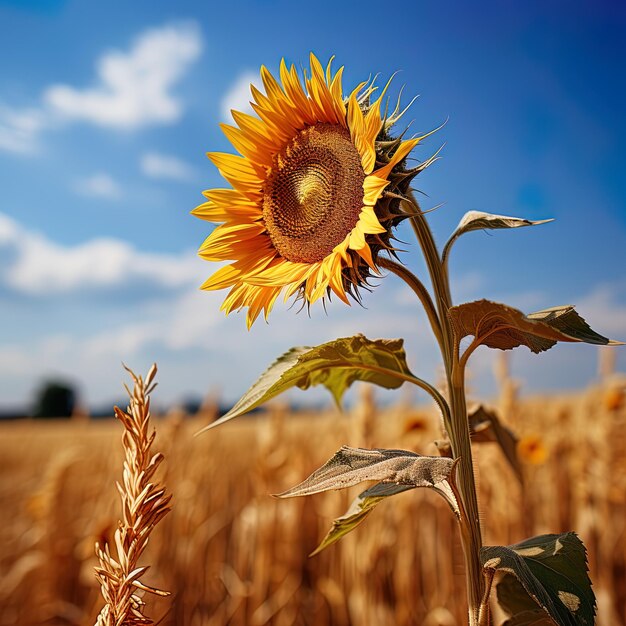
[{"x": 233, "y": 555}]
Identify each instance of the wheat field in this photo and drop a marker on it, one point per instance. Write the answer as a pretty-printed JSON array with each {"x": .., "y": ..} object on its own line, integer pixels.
[{"x": 233, "y": 555}]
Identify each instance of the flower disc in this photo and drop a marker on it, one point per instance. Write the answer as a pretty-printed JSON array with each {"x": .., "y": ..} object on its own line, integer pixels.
[{"x": 314, "y": 193}]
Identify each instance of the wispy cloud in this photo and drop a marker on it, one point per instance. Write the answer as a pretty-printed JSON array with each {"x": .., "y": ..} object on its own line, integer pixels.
[
  {"x": 100, "y": 185},
  {"x": 19, "y": 129},
  {"x": 156, "y": 165},
  {"x": 605, "y": 309},
  {"x": 134, "y": 87},
  {"x": 35, "y": 265},
  {"x": 238, "y": 96}
]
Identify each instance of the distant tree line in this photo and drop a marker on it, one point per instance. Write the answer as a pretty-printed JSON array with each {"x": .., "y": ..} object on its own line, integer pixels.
[{"x": 54, "y": 399}]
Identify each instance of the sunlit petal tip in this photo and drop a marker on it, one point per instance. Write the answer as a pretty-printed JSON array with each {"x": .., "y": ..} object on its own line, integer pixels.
[
  {"x": 200, "y": 210},
  {"x": 366, "y": 254},
  {"x": 223, "y": 278}
]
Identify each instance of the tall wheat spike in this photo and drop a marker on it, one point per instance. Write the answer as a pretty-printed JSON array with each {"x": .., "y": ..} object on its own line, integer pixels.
[{"x": 144, "y": 504}]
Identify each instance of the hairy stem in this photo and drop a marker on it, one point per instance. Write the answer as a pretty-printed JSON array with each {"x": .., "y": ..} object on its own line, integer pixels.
[{"x": 458, "y": 430}]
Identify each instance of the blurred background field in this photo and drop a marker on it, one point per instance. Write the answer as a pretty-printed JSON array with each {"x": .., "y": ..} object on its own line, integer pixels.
[{"x": 231, "y": 554}]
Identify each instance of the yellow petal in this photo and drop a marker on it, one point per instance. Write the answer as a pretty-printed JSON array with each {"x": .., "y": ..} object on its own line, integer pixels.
[
  {"x": 357, "y": 238},
  {"x": 226, "y": 276},
  {"x": 356, "y": 125},
  {"x": 366, "y": 254},
  {"x": 217, "y": 212},
  {"x": 248, "y": 148},
  {"x": 293, "y": 88},
  {"x": 226, "y": 240},
  {"x": 280, "y": 272},
  {"x": 238, "y": 172},
  {"x": 255, "y": 130},
  {"x": 369, "y": 222},
  {"x": 373, "y": 186},
  {"x": 320, "y": 93},
  {"x": 269, "y": 300}
]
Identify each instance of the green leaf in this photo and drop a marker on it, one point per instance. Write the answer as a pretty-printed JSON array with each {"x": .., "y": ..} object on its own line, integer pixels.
[
  {"x": 360, "y": 508},
  {"x": 398, "y": 471},
  {"x": 336, "y": 365},
  {"x": 477, "y": 220},
  {"x": 485, "y": 426},
  {"x": 553, "y": 571},
  {"x": 499, "y": 326}
]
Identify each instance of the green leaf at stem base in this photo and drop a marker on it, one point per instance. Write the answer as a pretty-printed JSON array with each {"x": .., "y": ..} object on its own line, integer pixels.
[{"x": 552, "y": 569}]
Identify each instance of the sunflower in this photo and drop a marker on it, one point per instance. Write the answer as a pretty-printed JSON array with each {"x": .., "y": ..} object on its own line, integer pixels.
[{"x": 316, "y": 189}]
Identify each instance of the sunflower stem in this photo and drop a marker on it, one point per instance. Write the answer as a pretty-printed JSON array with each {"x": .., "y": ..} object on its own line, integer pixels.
[{"x": 458, "y": 429}]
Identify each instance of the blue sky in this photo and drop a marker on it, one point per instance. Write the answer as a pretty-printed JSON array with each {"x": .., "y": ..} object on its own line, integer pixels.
[{"x": 107, "y": 110}]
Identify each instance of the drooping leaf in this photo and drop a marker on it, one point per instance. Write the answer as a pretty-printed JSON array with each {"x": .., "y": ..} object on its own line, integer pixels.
[
  {"x": 336, "y": 365},
  {"x": 566, "y": 320},
  {"x": 553, "y": 571},
  {"x": 397, "y": 471},
  {"x": 500, "y": 326},
  {"x": 351, "y": 466},
  {"x": 485, "y": 426},
  {"x": 360, "y": 508},
  {"x": 477, "y": 220}
]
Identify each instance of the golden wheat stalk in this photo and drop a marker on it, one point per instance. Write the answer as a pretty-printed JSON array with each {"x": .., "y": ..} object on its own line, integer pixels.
[{"x": 144, "y": 504}]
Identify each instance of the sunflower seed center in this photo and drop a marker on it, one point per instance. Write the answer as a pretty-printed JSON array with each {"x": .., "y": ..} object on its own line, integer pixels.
[{"x": 314, "y": 193}]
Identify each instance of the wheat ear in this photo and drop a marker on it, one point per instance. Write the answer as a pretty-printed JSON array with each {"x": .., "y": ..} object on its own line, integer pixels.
[{"x": 144, "y": 504}]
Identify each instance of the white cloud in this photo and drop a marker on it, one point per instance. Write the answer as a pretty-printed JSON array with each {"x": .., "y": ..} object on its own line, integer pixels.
[
  {"x": 9, "y": 230},
  {"x": 133, "y": 89},
  {"x": 238, "y": 96},
  {"x": 39, "y": 266},
  {"x": 156, "y": 165},
  {"x": 100, "y": 185},
  {"x": 134, "y": 86},
  {"x": 19, "y": 129}
]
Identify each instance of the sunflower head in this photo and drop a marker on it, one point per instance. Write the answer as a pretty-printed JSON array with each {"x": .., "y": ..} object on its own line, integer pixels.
[{"x": 315, "y": 191}]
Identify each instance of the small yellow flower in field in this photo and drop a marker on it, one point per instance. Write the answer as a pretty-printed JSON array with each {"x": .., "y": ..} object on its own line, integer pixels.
[
  {"x": 315, "y": 192},
  {"x": 416, "y": 423},
  {"x": 532, "y": 450}
]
